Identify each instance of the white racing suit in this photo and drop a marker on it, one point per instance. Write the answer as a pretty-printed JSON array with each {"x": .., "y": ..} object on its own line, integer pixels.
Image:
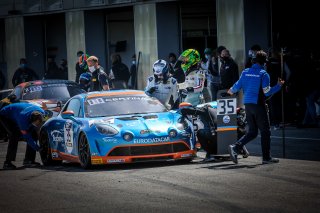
[
  {"x": 165, "y": 92},
  {"x": 195, "y": 79}
]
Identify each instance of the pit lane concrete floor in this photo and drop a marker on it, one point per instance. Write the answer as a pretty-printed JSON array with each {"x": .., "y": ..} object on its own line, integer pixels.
[{"x": 293, "y": 185}]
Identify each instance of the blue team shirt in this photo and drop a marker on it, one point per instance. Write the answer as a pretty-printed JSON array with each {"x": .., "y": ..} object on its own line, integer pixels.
[
  {"x": 20, "y": 113},
  {"x": 250, "y": 82}
]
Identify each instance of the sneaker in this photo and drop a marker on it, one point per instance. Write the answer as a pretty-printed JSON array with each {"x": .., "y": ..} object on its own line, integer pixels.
[
  {"x": 9, "y": 166},
  {"x": 271, "y": 160},
  {"x": 245, "y": 153},
  {"x": 208, "y": 158},
  {"x": 233, "y": 153},
  {"x": 31, "y": 164}
]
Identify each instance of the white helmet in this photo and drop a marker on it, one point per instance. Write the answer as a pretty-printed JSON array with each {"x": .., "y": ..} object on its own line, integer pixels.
[{"x": 161, "y": 69}]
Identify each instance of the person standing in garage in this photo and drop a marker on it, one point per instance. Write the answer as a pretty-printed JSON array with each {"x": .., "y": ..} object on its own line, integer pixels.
[
  {"x": 23, "y": 73},
  {"x": 99, "y": 79}
]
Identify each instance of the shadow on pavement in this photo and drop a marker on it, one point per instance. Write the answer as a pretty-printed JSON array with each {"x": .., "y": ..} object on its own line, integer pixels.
[{"x": 75, "y": 167}]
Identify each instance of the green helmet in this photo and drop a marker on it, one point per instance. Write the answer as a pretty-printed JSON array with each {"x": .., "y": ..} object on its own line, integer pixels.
[{"x": 189, "y": 58}]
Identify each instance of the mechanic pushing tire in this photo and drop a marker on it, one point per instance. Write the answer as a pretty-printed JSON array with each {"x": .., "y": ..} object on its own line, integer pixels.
[{"x": 216, "y": 124}]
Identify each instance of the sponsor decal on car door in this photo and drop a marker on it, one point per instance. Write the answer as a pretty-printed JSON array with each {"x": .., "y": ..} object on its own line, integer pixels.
[{"x": 68, "y": 135}]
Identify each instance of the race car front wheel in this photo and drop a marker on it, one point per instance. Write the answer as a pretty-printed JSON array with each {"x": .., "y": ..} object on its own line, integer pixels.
[
  {"x": 45, "y": 151},
  {"x": 84, "y": 152}
]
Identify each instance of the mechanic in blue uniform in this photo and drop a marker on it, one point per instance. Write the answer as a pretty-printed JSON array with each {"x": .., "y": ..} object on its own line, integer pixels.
[
  {"x": 255, "y": 83},
  {"x": 84, "y": 81},
  {"x": 21, "y": 120}
]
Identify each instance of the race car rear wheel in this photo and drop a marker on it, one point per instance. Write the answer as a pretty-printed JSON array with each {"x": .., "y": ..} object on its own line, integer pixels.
[
  {"x": 45, "y": 151},
  {"x": 84, "y": 152}
]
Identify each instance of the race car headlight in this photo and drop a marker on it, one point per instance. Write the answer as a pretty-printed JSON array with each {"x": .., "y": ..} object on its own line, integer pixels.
[
  {"x": 173, "y": 133},
  {"x": 182, "y": 124},
  {"x": 127, "y": 136},
  {"x": 106, "y": 129}
]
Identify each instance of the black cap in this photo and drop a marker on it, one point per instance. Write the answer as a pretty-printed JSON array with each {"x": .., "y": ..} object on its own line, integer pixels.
[
  {"x": 172, "y": 55},
  {"x": 79, "y": 53},
  {"x": 220, "y": 48}
]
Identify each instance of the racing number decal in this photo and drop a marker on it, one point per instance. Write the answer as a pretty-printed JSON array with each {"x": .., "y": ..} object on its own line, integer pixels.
[
  {"x": 227, "y": 106},
  {"x": 197, "y": 123},
  {"x": 68, "y": 135},
  {"x": 95, "y": 101},
  {"x": 194, "y": 120}
]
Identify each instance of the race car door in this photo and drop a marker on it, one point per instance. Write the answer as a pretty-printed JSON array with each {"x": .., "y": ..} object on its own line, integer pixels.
[{"x": 71, "y": 126}]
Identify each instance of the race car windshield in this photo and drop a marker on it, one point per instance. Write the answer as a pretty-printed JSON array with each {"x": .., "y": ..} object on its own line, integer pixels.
[
  {"x": 50, "y": 91},
  {"x": 122, "y": 105}
]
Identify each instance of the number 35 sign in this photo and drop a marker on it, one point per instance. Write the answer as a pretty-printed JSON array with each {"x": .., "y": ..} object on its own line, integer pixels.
[{"x": 227, "y": 106}]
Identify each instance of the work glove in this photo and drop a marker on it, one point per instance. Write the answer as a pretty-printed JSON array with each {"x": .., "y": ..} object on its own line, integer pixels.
[
  {"x": 190, "y": 89},
  {"x": 183, "y": 93},
  {"x": 152, "y": 89}
]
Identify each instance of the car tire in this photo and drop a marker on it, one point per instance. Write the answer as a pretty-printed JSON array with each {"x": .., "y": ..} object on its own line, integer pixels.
[
  {"x": 45, "y": 151},
  {"x": 84, "y": 152},
  {"x": 186, "y": 161}
]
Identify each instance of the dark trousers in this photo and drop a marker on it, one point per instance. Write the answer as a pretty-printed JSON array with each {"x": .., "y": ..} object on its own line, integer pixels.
[
  {"x": 257, "y": 118},
  {"x": 214, "y": 87},
  {"x": 275, "y": 105},
  {"x": 14, "y": 137},
  {"x": 207, "y": 141}
]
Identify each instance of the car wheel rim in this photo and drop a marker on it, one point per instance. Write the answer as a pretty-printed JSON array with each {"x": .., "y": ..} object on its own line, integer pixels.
[
  {"x": 84, "y": 151},
  {"x": 45, "y": 147}
]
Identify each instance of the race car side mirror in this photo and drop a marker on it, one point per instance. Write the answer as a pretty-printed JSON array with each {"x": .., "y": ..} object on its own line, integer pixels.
[
  {"x": 67, "y": 114},
  {"x": 184, "y": 104}
]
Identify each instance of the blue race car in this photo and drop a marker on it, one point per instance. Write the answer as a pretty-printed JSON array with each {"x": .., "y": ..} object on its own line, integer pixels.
[{"x": 119, "y": 126}]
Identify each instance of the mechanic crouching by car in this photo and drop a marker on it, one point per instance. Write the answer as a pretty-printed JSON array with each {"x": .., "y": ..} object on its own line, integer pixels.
[
  {"x": 21, "y": 120},
  {"x": 206, "y": 132}
]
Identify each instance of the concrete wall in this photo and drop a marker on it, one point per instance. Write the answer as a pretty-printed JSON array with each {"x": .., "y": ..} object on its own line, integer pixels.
[
  {"x": 75, "y": 39},
  {"x": 145, "y": 29},
  {"x": 230, "y": 28},
  {"x": 231, "y": 31},
  {"x": 15, "y": 45}
]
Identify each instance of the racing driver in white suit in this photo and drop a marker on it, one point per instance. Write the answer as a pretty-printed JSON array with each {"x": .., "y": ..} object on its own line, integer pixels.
[{"x": 161, "y": 85}]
